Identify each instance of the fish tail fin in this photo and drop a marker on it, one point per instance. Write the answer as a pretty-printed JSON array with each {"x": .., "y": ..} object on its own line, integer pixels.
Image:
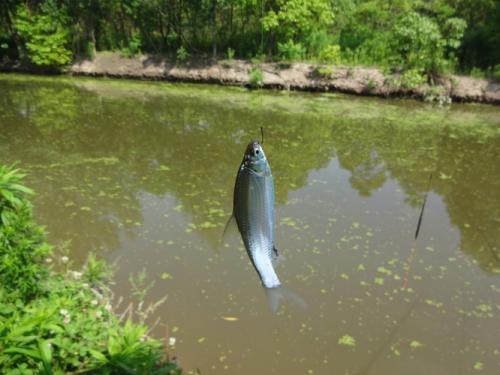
[{"x": 281, "y": 294}]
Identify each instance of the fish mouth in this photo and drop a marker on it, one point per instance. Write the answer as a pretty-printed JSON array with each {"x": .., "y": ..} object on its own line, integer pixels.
[{"x": 253, "y": 149}]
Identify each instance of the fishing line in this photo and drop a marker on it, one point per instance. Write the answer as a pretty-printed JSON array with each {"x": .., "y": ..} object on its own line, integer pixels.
[
  {"x": 262, "y": 134},
  {"x": 366, "y": 369},
  {"x": 423, "y": 207},
  {"x": 410, "y": 258}
]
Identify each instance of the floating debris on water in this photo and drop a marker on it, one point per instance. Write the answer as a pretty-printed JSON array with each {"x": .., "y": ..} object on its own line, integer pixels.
[{"x": 347, "y": 340}]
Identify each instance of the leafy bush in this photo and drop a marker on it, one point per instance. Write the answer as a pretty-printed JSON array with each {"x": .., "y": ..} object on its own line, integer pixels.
[
  {"x": 134, "y": 45},
  {"x": 258, "y": 59},
  {"x": 375, "y": 51},
  {"x": 72, "y": 329},
  {"x": 182, "y": 55},
  {"x": 330, "y": 54},
  {"x": 45, "y": 37},
  {"x": 317, "y": 41},
  {"x": 495, "y": 72},
  {"x": 477, "y": 73},
  {"x": 256, "y": 77},
  {"x": 306, "y": 22},
  {"x": 291, "y": 51},
  {"x": 324, "y": 72},
  {"x": 90, "y": 50},
  {"x": 419, "y": 43},
  {"x": 412, "y": 78},
  {"x": 22, "y": 247},
  {"x": 491, "y": 73}
]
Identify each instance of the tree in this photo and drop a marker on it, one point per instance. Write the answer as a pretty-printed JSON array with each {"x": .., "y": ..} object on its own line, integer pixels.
[
  {"x": 419, "y": 43},
  {"x": 45, "y": 35},
  {"x": 295, "y": 23},
  {"x": 379, "y": 32}
]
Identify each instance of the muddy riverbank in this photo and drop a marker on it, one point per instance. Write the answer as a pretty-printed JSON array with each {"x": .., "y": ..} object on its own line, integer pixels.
[{"x": 287, "y": 76}]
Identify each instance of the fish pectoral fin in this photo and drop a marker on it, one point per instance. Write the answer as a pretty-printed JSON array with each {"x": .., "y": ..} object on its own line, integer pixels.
[{"x": 230, "y": 228}]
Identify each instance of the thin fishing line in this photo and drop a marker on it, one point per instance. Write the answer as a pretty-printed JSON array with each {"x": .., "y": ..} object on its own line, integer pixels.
[
  {"x": 423, "y": 207},
  {"x": 413, "y": 250}
]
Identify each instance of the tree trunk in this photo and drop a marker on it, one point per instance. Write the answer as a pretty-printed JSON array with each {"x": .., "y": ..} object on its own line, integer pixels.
[{"x": 214, "y": 29}]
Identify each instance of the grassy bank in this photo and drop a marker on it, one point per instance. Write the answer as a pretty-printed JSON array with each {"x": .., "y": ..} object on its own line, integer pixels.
[{"x": 55, "y": 322}]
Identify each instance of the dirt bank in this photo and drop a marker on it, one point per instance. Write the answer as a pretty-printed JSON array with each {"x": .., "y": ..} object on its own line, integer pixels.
[{"x": 293, "y": 76}]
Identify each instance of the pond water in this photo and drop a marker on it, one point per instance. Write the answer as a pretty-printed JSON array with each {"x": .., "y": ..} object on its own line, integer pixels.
[{"x": 143, "y": 175}]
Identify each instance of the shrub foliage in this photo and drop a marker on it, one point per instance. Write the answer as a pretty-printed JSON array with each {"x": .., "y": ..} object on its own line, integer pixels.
[{"x": 54, "y": 323}]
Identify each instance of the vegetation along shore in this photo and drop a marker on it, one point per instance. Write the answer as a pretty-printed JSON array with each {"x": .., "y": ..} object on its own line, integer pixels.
[
  {"x": 54, "y": 318},
  {"x": 445, "y": 50}
]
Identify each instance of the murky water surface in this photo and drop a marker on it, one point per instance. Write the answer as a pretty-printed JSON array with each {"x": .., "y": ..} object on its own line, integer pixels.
[{"x": 143, "y": 174}]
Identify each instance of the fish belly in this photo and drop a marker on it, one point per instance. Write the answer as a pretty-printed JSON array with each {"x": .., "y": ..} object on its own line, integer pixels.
[{"x": 264, "y": 266}]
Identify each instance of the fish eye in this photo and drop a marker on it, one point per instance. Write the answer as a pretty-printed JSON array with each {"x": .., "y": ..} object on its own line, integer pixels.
[{"x": 256, "y": 152}]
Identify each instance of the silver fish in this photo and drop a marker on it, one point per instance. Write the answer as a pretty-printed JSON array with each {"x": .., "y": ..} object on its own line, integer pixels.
[{"x": 253, "y": 209}]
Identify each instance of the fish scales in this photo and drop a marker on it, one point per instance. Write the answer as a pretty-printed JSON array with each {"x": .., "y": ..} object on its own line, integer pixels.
[{"x": 254, "y": 212}]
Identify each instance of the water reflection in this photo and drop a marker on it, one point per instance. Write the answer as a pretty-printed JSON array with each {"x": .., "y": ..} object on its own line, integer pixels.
[
  {"x": 102, "y": 149},
  {"x": 147, "y": 171}
]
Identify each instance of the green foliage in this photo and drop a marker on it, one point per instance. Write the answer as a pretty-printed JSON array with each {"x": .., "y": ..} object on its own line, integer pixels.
[
  {"x": 495, "y": 72},
  {"x": 371, "y": 84},
  {"x": 72, "y": 329},
  {"x": 89, "y": 50},
  {"x": 258, "y": 59},
  {"x": 96, "y": 271},
  {"x": 22, "y": 248},
  {"x": 256, "y": 77},
  {"x": 301, "y": 24},
  {"x": 419, "y": 43},
  {"x": 45, "y": 35},
  {"x": 477, "y": 73},
  {"x": 296, "y": 17},
  {"x": 75, "y": 330},
  {"x": 182, "y": 55},
  {"x": 411, "y": 79},
  {"x": 129, "y": 351},
  {"x": 140, "y": 286},
  {"x": 330, "y": 54},
  {"x": 324, "y": 72},
  {"x": 134, "y": 45},
  {"x": 317, "y": 41},
  {"x": 291, "y": 51},
  {"x": 413, "y": 34}
]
